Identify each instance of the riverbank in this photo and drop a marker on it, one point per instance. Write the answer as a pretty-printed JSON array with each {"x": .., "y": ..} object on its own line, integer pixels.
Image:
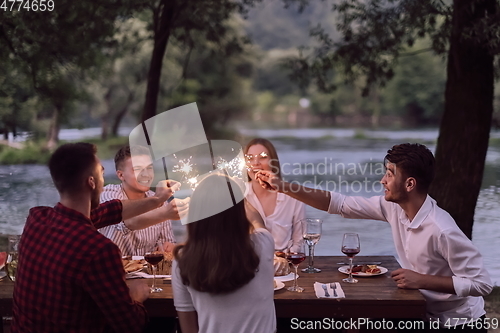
[
  {"x": 31, "y": 152},
  {"x": 35, "y": 152}
]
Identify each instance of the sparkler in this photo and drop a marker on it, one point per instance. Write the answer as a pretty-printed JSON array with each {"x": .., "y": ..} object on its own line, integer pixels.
[
  {"x": 186, "y": 169},
  {"x": 234, "y": 168}
]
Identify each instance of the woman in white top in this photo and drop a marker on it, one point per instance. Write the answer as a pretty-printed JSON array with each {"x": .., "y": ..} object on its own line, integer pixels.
[
  {"x": 280, "y": 212},
  {"x": 222, "y": 277}
]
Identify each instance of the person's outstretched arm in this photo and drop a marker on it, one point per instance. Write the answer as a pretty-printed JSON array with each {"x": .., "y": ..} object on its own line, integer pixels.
[{"x": 316, "y": 198}]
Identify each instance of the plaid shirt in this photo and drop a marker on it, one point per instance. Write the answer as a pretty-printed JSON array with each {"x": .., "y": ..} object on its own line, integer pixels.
[{"x": 70, "y": 278}]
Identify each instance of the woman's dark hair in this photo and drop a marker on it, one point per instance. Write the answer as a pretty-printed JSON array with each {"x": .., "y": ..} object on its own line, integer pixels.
[
  {"x": 70, "y": 164},
  {"x": 274, "y": 161},
  {"x": 218, "y": 256},
  {"x": 414, "y": 160}
]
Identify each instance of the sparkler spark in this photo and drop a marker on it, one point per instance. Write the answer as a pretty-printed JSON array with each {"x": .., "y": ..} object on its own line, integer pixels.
[
  {"x": 234, "y": 167},
  {"x": 185, "y": 167}
]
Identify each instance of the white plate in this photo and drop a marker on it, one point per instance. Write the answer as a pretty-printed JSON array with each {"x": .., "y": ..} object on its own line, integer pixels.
[
  {"x": 279, "y": 285},
  {"x": 345, "y": 270},
  {"x": 284, "y": 278}
]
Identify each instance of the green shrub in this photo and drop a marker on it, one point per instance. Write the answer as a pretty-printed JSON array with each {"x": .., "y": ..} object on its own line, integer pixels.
[{"x": 32, "y": 153}]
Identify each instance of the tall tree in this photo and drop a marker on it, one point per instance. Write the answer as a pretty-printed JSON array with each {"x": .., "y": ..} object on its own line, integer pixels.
[
  {"x": 59, "y": 37},
  {"x": 376, "y": 32},
  {"x": 181, "y": 18}
]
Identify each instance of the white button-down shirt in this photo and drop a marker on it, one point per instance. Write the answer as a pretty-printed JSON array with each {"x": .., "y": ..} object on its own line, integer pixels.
[
  {"x": 430, "y": 244},
  {"x": 283, "y": 222}
]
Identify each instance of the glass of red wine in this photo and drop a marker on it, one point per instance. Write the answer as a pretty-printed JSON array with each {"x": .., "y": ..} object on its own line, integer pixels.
[
  {"x": 295, "y": 258},
  {"x": 350, "y": 247},
  {"x": 154, "y": 258}
]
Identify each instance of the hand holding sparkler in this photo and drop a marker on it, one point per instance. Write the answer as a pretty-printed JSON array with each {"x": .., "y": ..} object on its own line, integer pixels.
[
  {"x": 177, "y": 209},
  {"x": 166, "y": 188},
  {"x": 269, "y": 180}
]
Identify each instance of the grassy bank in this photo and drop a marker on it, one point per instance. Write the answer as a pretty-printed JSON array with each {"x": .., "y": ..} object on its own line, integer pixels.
[{"x": 35, "y": 152}]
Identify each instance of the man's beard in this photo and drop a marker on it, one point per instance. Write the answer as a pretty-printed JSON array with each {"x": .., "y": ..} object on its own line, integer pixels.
[{"x": 400, "y": 196}]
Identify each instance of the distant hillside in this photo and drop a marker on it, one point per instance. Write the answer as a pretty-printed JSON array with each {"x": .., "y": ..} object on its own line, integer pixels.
[{"x": 272, "y": 26}]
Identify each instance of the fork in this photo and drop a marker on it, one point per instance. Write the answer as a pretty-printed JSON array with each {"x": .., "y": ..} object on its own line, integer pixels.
[
  {"x": 326, "y": 290},
  {"x": 333, "y": 285}
]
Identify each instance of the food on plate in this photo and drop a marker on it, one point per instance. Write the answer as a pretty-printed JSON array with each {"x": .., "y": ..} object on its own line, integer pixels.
[
  {"x": 280, "y": 254},
  {"x": 372, "y": 269},
  {"x": 132, "y": 265},
  {"x": 164, "y": 267},
  {"x": 368, "y": 269},
  {"x": 357, "y": 268},
  {"x": 275, "y": 284},
  {"x": 281, "y": 266}
]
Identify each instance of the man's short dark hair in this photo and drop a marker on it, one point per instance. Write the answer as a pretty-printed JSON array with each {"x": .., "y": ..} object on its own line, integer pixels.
[
  {"x": 414, "y": 160},
  {"x": 70, "y": 164},
  {"x": 127, "y": 151}
]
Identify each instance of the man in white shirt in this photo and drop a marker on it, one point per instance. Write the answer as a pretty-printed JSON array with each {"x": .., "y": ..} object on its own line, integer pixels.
[
  {"x": 141, "y": 234},
  {"x": 436, "y": 256}
]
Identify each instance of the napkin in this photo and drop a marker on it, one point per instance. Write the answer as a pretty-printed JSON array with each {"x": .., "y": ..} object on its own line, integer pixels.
[
  {"x": 320, "y": 292},
  {"x": 136, "y": 275}
]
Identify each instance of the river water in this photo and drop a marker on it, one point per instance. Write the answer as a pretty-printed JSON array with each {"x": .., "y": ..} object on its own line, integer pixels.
[{"x": 344, "y": 160}]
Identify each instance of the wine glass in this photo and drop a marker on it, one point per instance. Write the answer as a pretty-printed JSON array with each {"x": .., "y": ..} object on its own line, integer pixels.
[
  {"x": 350, "y": 247},
  {"x": 311, "y": 233},
  {"x": 154, "y": 258},
  {"x": 295, "y": 258}
]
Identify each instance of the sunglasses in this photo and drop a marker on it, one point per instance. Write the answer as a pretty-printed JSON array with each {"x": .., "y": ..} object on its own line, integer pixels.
[{"x": 250, "y": 157}]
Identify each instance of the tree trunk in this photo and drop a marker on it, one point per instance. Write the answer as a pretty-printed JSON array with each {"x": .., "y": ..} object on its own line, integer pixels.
[
  {"x": 163, "y": 26},
  {"x": 104, "y": 127},
  {"x": 53, "y": 134},
  {"x": 123, "y": 111},
  {"x": 465, "y": 126},
  {"x": 105, "y": 117}
]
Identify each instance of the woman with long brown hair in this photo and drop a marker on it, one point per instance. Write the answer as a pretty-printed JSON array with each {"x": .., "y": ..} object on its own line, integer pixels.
[
  {"x": 222, "y": 277},
  {"x": 281, "y": 213}
]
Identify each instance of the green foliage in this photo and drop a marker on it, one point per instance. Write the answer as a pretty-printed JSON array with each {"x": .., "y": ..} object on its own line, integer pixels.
[
  {"x": 52, "y": 49},
  {"x": 31, "y": 153},
  {"x": 271, "y": 26},
  {"x": 35, "y": 152},
  {"x": 360, "y": 135},
  {"x": 17, "y": 101},
  {"x": 106, "y": 149},
  {"x": 417, "y": 88},
  {"x": 119, "y": 89},
  {"x": 374, "y": 33},
  {"x": 270, "y": 76},
  {"x": 216, "y": 77},
  {"x": 325, "y": 106}
]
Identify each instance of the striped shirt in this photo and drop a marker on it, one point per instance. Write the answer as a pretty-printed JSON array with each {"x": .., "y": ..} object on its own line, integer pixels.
[{"x": 134, "y": 242}]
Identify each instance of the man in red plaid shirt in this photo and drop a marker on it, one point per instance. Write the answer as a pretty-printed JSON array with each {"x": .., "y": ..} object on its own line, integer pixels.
[{"x": 70, "y": 277}]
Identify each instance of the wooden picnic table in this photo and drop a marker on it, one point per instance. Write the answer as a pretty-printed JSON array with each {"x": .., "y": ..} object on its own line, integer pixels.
[{"x": 371, "y": 297}]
